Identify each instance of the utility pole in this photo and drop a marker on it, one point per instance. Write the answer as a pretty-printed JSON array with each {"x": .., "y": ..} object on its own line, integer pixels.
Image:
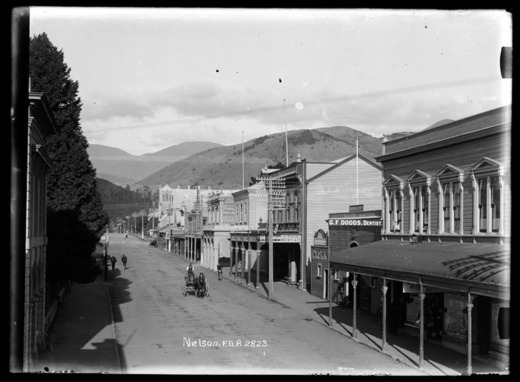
[
  {"x": 270, "y": 237},
  {"x": 286, "y": 140},
  {"x": 242, "y": 159}
]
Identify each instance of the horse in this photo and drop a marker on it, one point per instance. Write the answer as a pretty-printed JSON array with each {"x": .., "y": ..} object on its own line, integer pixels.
[{"x": 200, "y": 285}]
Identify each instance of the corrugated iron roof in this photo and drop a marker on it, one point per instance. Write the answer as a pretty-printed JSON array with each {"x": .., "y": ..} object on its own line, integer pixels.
[{"x": 475, "y": 263}]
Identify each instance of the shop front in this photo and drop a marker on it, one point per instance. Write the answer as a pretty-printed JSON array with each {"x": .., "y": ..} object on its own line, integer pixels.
[
  {"x": 346, "y": 230},
  {"x": 456, "y": 295}
]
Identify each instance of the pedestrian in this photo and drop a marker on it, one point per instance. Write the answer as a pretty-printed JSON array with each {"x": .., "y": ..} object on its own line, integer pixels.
[
  {"x": 124, "y": 260},
  {"x": 219, "y": 271},
  {"x": 113, "y": 261}
]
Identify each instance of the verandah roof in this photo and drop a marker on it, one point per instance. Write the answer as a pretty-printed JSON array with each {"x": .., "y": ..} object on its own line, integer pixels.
[{"x": 478, "y": 268}]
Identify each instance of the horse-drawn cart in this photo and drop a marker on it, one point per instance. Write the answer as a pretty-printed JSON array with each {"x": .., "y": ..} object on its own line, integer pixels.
[{"x": 198, "y": 286}]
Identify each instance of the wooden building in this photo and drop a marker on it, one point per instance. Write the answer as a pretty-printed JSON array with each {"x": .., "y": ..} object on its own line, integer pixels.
[
  {"x": 41, "y": 125},
  {"x": 216, "y": 231},
  {"x": 345, "y": 229},
  {"x": 248, "y": 245},
  {"x": 444, "y": 257},
  {"x": 313, "y": 190}
]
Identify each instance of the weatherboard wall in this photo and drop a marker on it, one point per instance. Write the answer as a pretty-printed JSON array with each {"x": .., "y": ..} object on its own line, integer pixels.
[
  {"x": 463, "y": 155},
  {"x": 336, "y": 190}
]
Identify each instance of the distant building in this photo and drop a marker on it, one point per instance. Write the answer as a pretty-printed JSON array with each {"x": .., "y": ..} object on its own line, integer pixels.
[
  {"x": 216, "y": 230},
  {"x": 41, "y": 125},
  {"x": 249, "y": 227}
]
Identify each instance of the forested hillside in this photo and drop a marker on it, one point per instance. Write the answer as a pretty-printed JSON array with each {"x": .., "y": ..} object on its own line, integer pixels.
[{"x": 120, "y": 202}]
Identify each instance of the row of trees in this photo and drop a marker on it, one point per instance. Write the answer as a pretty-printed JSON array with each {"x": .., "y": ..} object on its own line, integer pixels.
[{"x": 76, "y": 219}]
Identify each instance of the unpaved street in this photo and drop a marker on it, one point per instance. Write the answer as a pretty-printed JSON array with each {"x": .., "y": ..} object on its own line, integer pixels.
[{"x": 231, "y": 331}]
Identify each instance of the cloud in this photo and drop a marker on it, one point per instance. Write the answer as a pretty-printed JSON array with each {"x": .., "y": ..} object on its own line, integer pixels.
[
  {"x": 106, "y": 107},
  {"x": 205, "y": 110}
]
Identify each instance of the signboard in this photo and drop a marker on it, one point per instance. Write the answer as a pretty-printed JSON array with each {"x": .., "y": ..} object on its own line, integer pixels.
[
  {"x": 320, "y": 238},
  {"x": 356, "y": 222},
  {"x": 284, "y": 238},
  {"x": 319, "y": 253}
]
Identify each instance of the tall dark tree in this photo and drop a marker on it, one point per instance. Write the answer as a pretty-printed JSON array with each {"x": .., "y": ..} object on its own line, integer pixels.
[{"x": 76, "y": 219}]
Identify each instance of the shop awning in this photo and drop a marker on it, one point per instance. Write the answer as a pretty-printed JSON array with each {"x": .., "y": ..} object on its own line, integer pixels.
[{"x": 478, "y": 268}]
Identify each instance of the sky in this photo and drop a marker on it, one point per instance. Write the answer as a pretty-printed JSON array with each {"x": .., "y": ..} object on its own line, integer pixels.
[{"x": 153, "y": 78}]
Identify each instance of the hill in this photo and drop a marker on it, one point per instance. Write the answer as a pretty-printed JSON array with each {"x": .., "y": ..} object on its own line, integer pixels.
[
  {"x": 119, "y": 202},
  {"x": 123, "y": 168},
  {"x": 222, "y": 166}
]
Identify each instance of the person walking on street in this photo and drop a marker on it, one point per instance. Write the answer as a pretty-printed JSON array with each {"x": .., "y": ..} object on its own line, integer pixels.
[
  {"x": 124, "y": 260},
  {"x": 113, "y": 261},
  {"x": 219, "y": 271}
]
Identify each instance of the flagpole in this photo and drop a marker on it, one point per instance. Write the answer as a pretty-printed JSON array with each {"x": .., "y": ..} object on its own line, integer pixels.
[
  {"x": 357, "y": 171},
  {"x": 286, "y": 141},
  {"x": 242, "y": 159}
]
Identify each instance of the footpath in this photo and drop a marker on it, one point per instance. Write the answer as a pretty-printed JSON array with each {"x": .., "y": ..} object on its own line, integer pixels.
[
  {"x": 437, "y": 361},
  {"x": 83, "y": 335}
]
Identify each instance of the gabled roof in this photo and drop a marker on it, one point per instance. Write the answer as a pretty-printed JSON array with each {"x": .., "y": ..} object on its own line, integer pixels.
[{"x": 343, "y": 161}]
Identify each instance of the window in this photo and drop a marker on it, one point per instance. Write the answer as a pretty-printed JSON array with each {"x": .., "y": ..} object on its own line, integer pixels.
[
  {"x": 450, "y": 189},
  {"x": 489, "y": 204},
  {"x": 447, "y": 206},
  {"x": 419, "y": 193},
  {"x": 319, "y": 271},
  {"x": 395, "y": 211},
  {"x": 393, "y": 204},
  {"x": 421, "y": 212},
  {"x": 456, "y": 210},
  {"x": 488, "y": 196}
]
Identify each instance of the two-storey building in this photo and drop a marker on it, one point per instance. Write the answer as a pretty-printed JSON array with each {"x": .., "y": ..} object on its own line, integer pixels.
[
  {"x": 217, "y": 228},
  {"x": 444, "y": 257},
  {"x": 313, "y": 190},
  {"x": 248, "y": 244}
]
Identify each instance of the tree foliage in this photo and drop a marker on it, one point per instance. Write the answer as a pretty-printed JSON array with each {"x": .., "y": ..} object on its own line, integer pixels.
[{"x": 76, "y": 219}]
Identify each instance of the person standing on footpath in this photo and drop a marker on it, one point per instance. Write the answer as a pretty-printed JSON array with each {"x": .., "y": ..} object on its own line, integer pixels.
[
  {"x": 113, "y": 261},
  {"x": 124, "y": 260}
]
